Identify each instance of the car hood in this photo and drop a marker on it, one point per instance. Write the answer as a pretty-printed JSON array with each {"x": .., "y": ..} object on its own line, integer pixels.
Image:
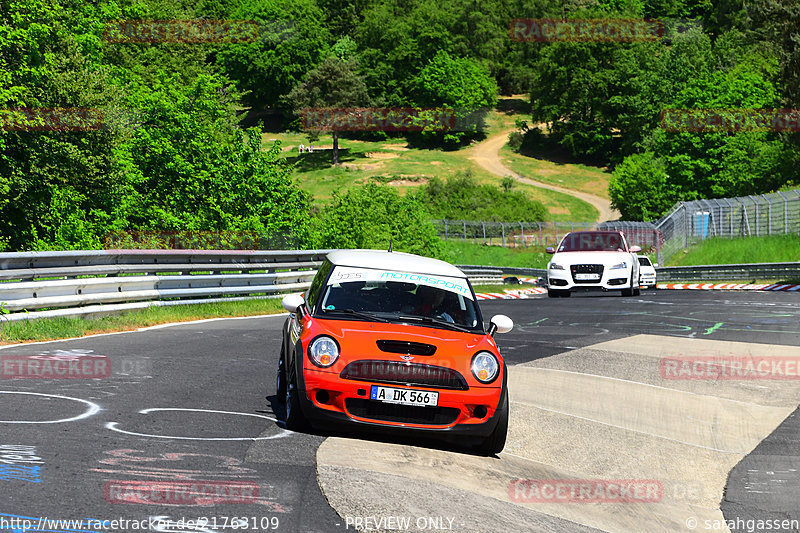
[
  {"x": 592, "y": 258},
  {"x": 359, "y": 340}
]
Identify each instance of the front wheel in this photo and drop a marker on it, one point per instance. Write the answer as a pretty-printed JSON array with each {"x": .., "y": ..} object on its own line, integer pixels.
[
  {"x": 295, "y": 419},
  {"x": 280, "y": 380},
  {"x": 494, "y": 443}
]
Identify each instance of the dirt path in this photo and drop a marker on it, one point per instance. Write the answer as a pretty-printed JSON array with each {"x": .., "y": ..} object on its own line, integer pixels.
[{"x": 487, "y": 155}]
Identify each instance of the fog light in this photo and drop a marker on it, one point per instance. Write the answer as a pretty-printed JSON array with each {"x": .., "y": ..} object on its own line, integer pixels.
[
  {"x": 480, "y": 411},
  {"x": 323, "y": 396}
]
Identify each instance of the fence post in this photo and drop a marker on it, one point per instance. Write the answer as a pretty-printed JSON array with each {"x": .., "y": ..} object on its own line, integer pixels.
[
  {"x": 785, "y": 213},
  {"x": 540, "y": 233},
  {"x": 503, "y": 229},
  {"x": 556, "y": 232},
  {"x": 465, "y": 229},
  {"x": 755, "y": 205},
  {"x": 522, "y": 230},
  {"x": 445, "y": 230},
  {"x": 769, "y": 214},
  {"x": 685, "y": 227},
  {"x": 483, "y": 224}
]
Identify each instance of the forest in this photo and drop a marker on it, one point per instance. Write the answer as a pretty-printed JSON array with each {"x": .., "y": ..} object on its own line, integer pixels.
[{"x": 178, "y": 145}]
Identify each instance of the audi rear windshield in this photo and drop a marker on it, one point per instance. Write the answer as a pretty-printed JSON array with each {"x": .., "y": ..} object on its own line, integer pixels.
[
  {"x": 593, "y": 241},
  {"x": 386, "y": 295}
]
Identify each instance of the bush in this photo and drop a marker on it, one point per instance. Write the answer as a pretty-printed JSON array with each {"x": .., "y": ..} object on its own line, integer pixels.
[
  {"x": 368, "y": 216},
  {"x": 463, "y": 198}
]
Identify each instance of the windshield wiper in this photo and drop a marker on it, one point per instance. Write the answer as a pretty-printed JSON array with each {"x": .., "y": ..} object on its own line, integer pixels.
[
  {"x": 437, "y": 321},
  {"x": 359, "y": 314}
]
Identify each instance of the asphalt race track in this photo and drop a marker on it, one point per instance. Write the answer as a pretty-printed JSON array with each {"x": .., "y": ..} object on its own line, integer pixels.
[{"x": 189, "y": 409}]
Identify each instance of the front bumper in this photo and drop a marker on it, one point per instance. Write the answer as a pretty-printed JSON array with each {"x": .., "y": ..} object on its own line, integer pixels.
[
  {"x": 338, "y": 409},
  {"x": 610, "y": 280},
  {"x": 647, "y": 281}
]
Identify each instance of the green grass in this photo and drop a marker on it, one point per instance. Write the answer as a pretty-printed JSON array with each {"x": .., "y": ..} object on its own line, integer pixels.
[
  {"x": 467, "y": 253},
  {"x": 67, "y": 327},
  {"x": 394, "y": 162},
  {"x": 720, "y": 251},
  {"x": 585, "y": 178}
]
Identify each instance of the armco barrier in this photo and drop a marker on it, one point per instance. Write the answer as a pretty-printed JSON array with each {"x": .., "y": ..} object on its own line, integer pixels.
[
  {"x": 95, "y": 282},
  {"x": 99, "y": 282},
  {"x": 730, "y": 273}
]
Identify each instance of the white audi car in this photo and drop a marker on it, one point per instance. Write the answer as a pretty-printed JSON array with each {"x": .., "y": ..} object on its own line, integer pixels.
[
  {"x": 599, "y": 260},
  {"x": 647, "y": 273}
]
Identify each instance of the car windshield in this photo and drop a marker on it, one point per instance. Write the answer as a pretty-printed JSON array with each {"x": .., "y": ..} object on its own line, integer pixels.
[
  {"x": 593, "y": 241},
  {"x": 384, "y": 295},
  {"x": 643, "y": 261}
]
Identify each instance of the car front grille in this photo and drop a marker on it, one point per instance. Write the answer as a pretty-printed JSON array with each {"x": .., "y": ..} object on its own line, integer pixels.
[
  {"x": 410, "y": 414},
  {"x": 586, "y": 269},
  {"x": 436, "y": 377},
  {"x": 406, "y": 347}
]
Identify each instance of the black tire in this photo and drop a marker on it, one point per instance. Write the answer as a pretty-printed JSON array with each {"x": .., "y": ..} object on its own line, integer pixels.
[
  {"x": 637, "y": 292},
  {"x": 566, "y": 294},
  {"x": 280, "y": 380},
  {"x": 627, "y": 292},
  {"x": 552, "y": 293},
  {"x": 494, "y": 443},
  {"x": 295, "y": 419}
]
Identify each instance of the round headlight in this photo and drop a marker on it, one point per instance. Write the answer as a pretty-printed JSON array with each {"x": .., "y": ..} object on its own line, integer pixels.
[
  {"x": 485, "y": 367},
  {"x": 323, "y": 351}
]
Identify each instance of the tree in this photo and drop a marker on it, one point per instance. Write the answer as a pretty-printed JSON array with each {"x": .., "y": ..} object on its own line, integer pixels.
[
  {"x": 460, "y": 84},
  {"x": 369, "y": 215},
  {"x": 334, "y": 83},
  {"x": 640, "y": 188},
  {"x": 292, "y": 39}
]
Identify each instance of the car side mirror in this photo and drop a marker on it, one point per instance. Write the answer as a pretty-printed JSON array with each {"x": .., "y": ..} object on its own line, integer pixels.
[
  {"x": 655, "y": 264},
  {"x": 550, "y": 250},
  {"x": 636, "y": 249},
  {"x": 293, "y": 302},
  {"x": 500, "y": 324}
]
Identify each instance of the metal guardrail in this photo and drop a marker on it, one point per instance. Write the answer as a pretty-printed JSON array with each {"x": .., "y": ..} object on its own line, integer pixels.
[
  {"x": 101, "y": 282},
  {"x": 743, "y": 272},
  {"x": 96, "y": 282},
  {"x": 740, "y": 272}
]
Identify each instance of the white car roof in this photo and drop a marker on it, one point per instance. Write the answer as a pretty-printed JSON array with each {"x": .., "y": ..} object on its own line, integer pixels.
[{"x": 399, "y": 261}]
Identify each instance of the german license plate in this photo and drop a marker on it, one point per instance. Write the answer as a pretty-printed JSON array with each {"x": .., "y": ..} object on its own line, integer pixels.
[
  {"x": 422, "y": 398},
  {"x": 586, "y": 277}
]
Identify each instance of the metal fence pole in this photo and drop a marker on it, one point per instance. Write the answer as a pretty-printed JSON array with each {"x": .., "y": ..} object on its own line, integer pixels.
[
  {"x": 445, "y": 230},
  {"x": 522, "y": 231},
  {"x": 785, "y": 213},
  {"x": 503, "y": 229},
  {"x": 483, "y": 224},
  {"x": 465, "y": 229}
]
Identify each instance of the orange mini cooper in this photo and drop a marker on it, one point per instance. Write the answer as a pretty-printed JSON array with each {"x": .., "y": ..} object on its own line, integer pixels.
[{"x": 394, "y": 341}]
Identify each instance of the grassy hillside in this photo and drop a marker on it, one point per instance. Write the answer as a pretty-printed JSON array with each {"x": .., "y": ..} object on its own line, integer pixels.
[
  {"x": 719, "y": 251},
  {"x": 394, "y": 162},
  {"x": 466, "y": 253}
]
